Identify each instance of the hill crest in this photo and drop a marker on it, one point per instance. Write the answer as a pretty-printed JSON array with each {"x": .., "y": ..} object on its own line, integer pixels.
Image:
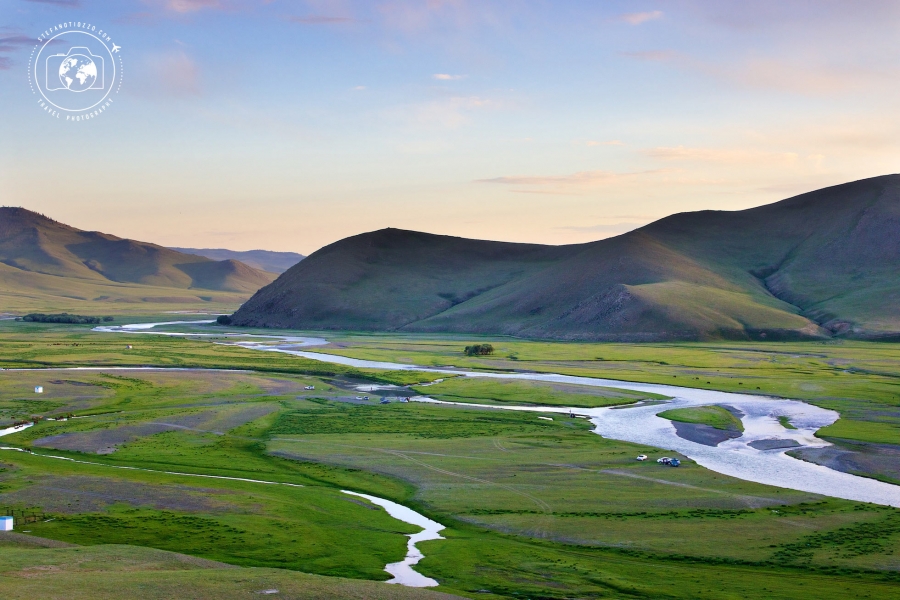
[
  {"x": 32, "y": 244},
  {"x": 815, "y": 265}
]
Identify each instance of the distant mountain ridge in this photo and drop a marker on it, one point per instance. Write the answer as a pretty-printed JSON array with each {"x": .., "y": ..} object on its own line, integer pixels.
[
  {"x": 43, "y": 257},
  {"x": 817, "y": 265},
  {"x": 264, "y": 260}
]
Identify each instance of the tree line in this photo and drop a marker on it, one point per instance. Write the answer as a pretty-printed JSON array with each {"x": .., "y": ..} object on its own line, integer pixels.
[{"x": 63, "y": 318}]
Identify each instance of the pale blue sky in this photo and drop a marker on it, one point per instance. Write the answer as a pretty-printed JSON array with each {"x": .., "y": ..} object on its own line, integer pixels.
[{"x": 289, "y": 125}]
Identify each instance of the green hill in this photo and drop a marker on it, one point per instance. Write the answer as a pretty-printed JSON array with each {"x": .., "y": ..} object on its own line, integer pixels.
[
  {"x": 44, "y": 263},
  {"x": 820, "y": 264}
]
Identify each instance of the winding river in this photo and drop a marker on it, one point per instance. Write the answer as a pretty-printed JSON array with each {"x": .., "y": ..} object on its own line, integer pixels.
[{"x": 639, "y": 423}]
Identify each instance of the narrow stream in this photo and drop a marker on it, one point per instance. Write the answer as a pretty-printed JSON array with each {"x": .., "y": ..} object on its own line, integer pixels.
[
  {"x": 402, "y": 571},
  {"x": 640, "y": 424}
]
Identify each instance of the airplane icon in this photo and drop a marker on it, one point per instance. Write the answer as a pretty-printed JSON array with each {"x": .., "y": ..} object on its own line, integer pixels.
[{"x": 115, "y": 48}]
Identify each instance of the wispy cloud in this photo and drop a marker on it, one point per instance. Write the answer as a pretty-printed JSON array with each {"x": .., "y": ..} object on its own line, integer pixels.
[
  {"x": 642, "y": 17},
  {"x": 574, "y": 183},
  {"x": 189, "y": 6},
  {"x": 651, "y": 55},
  {"x": 171, "y": 74},
  {"x": 450, "y": 112},
  {"x": 9, "y": 45},
  {"x": 806, "y": 78},
  {"x": 784, "y": 73},
  {"x": 730, "y": 156},
  {"x": 66, "y": 3},
  {"x": 319, "y": 20},
  {"x": 420, "y": 17},
  {"x": 580, "y": 178},
  {"x": 607, "y": 143},
  {"x": 138, "y": 18},
  {"x": 176, "y": 8},
  {"x": 446, "y": 77}
]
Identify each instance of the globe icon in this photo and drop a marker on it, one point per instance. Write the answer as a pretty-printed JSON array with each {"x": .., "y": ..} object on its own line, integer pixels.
[{"x": 77, "y": 72}]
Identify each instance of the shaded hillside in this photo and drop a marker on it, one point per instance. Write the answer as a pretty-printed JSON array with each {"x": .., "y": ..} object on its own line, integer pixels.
[
  {"x": 819, "y": 264},
  {"x": 41, "y": 257},
  {"x": 265, "y": 260}
]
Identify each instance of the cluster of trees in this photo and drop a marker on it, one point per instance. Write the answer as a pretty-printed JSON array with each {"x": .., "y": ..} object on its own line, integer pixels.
[
  {"x": 63, "y": 318},
  {"x": 479, "y": 350},
  {"x": 223, "y": 320}
]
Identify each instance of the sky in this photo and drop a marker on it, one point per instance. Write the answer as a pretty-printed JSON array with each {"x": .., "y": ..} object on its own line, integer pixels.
[{"x": 288, "y": 125}]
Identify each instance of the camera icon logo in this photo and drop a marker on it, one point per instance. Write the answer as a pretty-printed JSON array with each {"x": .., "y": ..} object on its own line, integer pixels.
[{"x": 78, "y": 70}]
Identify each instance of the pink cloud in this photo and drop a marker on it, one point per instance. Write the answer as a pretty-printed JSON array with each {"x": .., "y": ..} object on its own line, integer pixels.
[
  {"x": 652, "y": 55},
  {"x": 10, "y": 45},
  {"x": 170, "y": 74},
  {"x": 67, "y": 3},
  {"x": 319, "y": 20},
  {"x": 189, "y": 6},
  {"x": 642, "y": 17},
  {"x": 607, "y": 143},
  {"x": 730, "y": 156}
]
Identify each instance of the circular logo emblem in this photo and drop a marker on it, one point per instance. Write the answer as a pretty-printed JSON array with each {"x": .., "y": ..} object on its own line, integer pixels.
[{"x": 75, "y": 70}]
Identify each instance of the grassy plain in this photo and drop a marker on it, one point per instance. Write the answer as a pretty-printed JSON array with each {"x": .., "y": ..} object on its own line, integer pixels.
[
  {"x": 534, "y": 508},
  {"x": 108, "y": 572}
]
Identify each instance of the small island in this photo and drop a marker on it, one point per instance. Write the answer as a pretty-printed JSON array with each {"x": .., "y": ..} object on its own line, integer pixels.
[{"x": 709, "y": 425}]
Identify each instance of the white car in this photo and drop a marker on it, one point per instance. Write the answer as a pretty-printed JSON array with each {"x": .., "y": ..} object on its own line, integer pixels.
[
  {"x": 310, "y": 387},
  {"x": 642, "y": 457},
  {"x": 664, "y": 460}
]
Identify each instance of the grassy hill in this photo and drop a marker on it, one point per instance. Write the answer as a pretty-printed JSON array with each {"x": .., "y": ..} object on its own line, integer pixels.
[
  {"x": 46, "y": 264},
  {"x": 816, "y": 265},
  {"x": 265, "y": 260}
]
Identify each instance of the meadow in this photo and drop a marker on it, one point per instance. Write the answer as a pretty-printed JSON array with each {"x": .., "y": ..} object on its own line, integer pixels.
[{"x": 533, "y": 507}]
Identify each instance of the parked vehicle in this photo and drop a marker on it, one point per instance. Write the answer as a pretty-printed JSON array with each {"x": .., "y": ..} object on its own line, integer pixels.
[
  {"x": 642, "y": 457},
  {"x": 310, "y": 387},
  {"x": 665, "y": 460},
  {"x": 359, "y": 398},
  {"x": 674, "y": 462},
  {"x": 385, "y": 401}
]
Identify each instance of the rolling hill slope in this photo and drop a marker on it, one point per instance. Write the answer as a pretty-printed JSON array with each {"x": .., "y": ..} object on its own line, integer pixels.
[
  {"x": 41, "y": 259},
  {"x": 816, "y": 265}
]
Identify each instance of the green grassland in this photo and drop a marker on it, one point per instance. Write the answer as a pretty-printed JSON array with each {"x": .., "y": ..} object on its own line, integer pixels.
[
  {"x": 41, "y": 345},
  {"x": 530, "y": 393},
  {"x": 533, "y": 507},
  {"x": 107, "y": 572},
  {"x": 714, "y": 416}
]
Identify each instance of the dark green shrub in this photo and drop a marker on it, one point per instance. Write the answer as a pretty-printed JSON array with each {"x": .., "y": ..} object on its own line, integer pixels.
[{"x": 479, "y": 350}]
